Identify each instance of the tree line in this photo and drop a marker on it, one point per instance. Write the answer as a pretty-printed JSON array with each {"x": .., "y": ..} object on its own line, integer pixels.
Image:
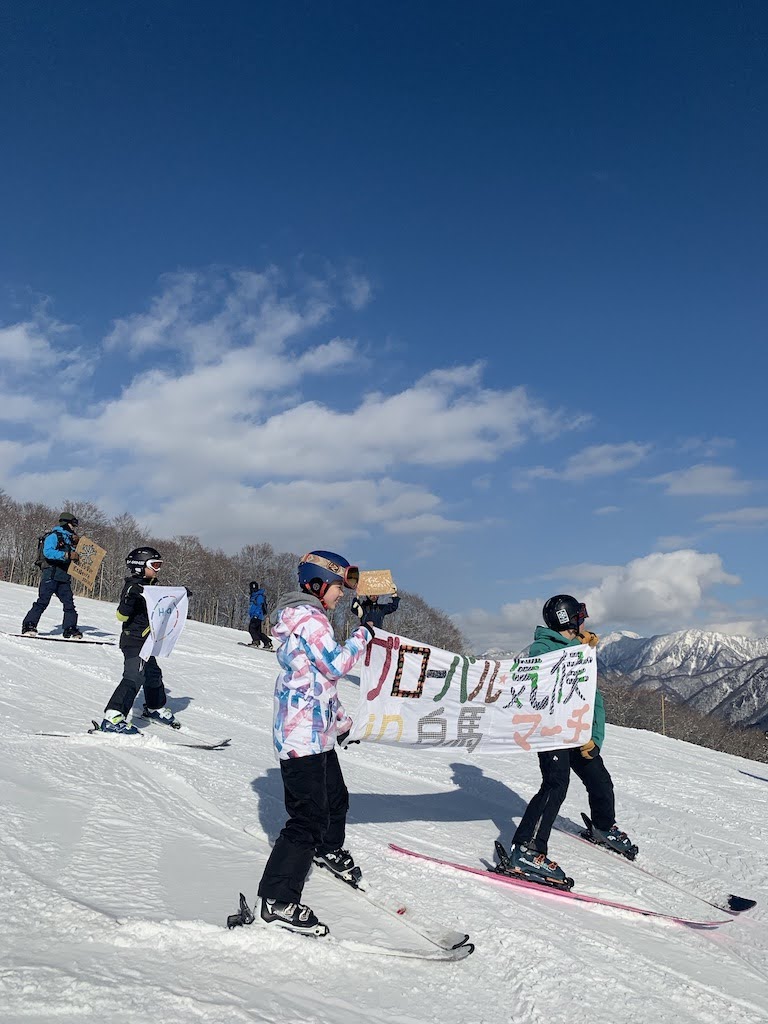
[
  {"x": 218, "y": 581},
  {"x": 638, "y": 708}
]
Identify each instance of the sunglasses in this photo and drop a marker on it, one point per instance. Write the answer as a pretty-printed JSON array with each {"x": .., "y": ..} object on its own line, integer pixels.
[
  {"x": 155, "y": 563},
  {"x": 350, "y": 574}
]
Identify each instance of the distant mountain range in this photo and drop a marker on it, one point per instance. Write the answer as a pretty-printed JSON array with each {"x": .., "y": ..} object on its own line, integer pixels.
[
  {"x": 713, "y": 672},
  {"x": 725, "y": 675}
]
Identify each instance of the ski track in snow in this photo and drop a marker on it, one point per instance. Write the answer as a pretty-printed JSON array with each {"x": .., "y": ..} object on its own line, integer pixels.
[{"x": 119, "y": 863}]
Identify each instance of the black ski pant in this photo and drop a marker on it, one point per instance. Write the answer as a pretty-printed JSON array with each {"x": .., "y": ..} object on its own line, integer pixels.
[
  {"x": 63, "y": 590},
  {"x": 137, "y": 673},
  {"x": 536, "y": 824},
  {"x": 317, "y": 801},
  {"x": 257, "y": 636}
]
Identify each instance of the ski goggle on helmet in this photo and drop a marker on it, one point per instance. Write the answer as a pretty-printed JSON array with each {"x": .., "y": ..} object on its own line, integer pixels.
[
  {"x": 318, "y": 570},
  {"x": 137, "y": 559},
  {"x": 564, "y": 612}
]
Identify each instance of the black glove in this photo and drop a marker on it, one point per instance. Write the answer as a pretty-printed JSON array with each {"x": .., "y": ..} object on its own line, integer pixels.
[
  {"x": 342, "y": 740},
  {"x": 357, "y": 609},
  {"x": 189, "y": 592},
  {"x": 371, "y": 631}
]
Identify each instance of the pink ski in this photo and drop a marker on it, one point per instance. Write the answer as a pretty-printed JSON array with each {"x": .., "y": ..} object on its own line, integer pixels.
[{"x": 558, "y": 893}]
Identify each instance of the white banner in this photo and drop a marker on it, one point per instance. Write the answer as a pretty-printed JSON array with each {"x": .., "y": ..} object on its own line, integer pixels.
[
  {"x": 414, "y": 695},
  {"x": 167, "y": 611}
]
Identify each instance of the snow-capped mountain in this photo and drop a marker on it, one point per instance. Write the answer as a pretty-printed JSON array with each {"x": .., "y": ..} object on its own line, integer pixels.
[{"x": 713, "y": 672}]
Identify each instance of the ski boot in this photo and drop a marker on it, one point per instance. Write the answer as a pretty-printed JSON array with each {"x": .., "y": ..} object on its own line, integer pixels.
[
  {"x": 612, "y": 839},
  {"x": 530, "y": 866},
  {"x": 113, "y": 721},
  {"x": 340, "y": 863},
  {"x": 72, "y": 634},
  {"x": 163, "y": 715},
  {"x": 296, "y": 917},
  {"x": 28, "y": 630}
]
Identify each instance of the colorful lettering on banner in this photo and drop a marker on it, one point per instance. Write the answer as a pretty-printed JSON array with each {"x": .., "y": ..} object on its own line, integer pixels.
[
  {"x": 388, "y": 644},
  {"x": 525, "y": 704},
  {"x": 424, "y": 653}
]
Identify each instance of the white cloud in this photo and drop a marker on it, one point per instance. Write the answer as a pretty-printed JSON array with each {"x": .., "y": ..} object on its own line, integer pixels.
[
  {"x": 606, "y": 510},
  {"x": 247, "y": 415},
  {"x": 755, "y": 516},
  {"x": 659, "y": 592},
  {"x": 703, "y": 479},
  {"x": 596, "y": 460}
]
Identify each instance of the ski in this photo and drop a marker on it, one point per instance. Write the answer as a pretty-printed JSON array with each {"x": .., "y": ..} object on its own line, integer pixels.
[
  {"x": 95, "y": 730},
  {"x": 246, "y": 916},
  {"x": 64, "y": 639},
  {"x": 445, "y": 939},
  {"x": 563, "y": 894},
  {"x": 733, "y": 905},
  {"x": 269, "y": 650}
]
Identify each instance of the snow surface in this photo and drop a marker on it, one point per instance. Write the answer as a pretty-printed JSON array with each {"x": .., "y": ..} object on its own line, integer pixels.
[{"x": 121, "y": 858}]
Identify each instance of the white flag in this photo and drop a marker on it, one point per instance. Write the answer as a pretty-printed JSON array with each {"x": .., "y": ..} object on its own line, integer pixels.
[{"x": 167, "y": 611}]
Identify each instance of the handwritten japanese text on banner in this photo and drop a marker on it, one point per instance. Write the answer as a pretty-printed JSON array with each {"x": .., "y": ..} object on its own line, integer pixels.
[{"x": 415, "y": 695}]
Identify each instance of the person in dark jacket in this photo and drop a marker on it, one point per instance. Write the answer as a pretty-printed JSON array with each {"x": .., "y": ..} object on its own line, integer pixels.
[
  {"x": 370, "y": 609},
  {"x": 258, "y": 611},
  {"x": 143, "y": 564},
  {"x": 564, "y": 617},
  {"x": 58, "y": 552}
]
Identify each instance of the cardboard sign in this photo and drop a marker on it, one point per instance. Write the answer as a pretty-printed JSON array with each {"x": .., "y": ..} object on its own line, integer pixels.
[
  {"x": 375, "y": 582},
  {"x": 86, "y": 570}
]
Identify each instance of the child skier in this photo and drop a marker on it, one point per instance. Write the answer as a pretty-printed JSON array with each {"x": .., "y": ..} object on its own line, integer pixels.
[
  {"x": 258, "y": 611},
  {"x": 309, "y": 721},
  {"x": 143, "y": 565},
  {"x": 564, "y": 618}
]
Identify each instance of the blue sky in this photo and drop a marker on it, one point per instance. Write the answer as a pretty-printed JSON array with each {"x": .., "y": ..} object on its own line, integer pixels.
[{"x": 477, "y": 292}]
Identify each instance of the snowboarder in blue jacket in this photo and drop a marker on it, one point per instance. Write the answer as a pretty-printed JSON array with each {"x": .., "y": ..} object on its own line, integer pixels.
[
  {"x": 58, "y": 552},
  {"x": 258, "y": 611}
]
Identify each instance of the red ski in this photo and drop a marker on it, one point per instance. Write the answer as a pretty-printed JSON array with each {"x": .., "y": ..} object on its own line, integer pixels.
[{"x": 560, "y": 894}]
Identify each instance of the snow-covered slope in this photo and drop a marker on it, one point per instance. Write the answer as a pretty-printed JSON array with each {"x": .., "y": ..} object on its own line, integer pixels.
[
  {"x": 710, "y": 671},
  {"x": 120, "y": 859}
]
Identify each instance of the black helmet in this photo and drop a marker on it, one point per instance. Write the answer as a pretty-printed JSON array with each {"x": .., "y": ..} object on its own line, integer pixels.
[
  {"x": 137, "y": 559},
  {"x": 68, "y": 517},
  {"x": 564, "y": 612},
  {"x": 253, "y": 585}
]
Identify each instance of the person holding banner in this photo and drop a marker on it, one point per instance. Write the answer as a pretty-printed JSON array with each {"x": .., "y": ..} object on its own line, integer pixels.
[
  {"x": 309, "y": 721},
  {"x": 57, "y": 552},
  {"x": 368, "y": 608},
  {"x": 143, "y": 564},
  {"x": 564, "y": 619}
]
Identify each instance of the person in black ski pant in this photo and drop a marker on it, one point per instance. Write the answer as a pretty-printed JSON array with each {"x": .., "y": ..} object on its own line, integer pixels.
[
  {"x": 564, "y": 619},
  {"x": 370, "y": 609},
  {"x": 258, "y": 611},
  {"x": 144, "y": 564},
  {"x": 309, "y": 722},
  {"x": 58, "y": 552}
]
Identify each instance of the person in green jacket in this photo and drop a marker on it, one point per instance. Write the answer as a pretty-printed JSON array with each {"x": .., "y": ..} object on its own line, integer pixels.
[{"x": 564, "y": 618}]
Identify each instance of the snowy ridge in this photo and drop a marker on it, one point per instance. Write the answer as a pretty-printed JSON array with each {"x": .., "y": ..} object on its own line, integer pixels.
[
  {"x": 119, "y": 864},
  {"x": 712, "y": 672}
]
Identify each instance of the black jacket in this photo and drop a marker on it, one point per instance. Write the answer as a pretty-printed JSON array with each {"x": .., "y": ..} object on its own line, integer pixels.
[{"x": 132, "y": 609}]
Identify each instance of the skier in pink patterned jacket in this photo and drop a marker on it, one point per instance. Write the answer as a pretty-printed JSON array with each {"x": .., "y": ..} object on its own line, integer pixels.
[{"x": 309, "y": 721}]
